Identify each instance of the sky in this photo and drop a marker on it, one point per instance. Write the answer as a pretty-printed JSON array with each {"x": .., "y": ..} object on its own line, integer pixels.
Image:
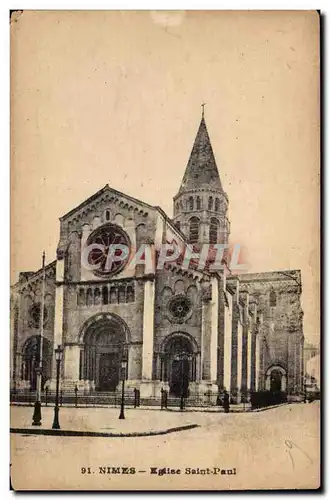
[{"x": 115, "y": 97}]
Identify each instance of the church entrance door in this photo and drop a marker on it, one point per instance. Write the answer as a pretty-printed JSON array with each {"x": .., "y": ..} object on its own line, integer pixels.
[
  {"x": 179, "y": 382},
  {"x": 104, "y": 344},
  {"x": 108, "y": 372},
  {"x": 179, "y": 363}
]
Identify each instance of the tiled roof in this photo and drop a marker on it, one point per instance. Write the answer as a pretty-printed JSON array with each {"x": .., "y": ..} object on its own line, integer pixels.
[{"x": 202, "y": 170}]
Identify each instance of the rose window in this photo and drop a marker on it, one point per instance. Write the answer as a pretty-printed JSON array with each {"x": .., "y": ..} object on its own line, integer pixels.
[
  {"x": 179, "y": 308},
  {"x": 107, "y": 238}
]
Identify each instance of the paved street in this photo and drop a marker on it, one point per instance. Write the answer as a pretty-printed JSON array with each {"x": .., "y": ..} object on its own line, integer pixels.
[
  {"x": 102, "y": 419},
  {"x": 276, "y": 448}
]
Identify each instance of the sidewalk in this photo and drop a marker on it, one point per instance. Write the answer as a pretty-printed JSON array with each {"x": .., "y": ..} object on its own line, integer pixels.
[{"x": 100, "y": 422}]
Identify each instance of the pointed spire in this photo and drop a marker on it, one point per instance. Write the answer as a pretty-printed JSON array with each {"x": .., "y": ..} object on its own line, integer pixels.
[{"x": 202, "y": 170}]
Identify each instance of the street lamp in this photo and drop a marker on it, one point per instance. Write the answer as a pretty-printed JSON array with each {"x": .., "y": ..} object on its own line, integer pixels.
[
  {"x": 37, "y": 406},
  {"x": 123, "y": 376},
  {"x": 58, "y": 358}
]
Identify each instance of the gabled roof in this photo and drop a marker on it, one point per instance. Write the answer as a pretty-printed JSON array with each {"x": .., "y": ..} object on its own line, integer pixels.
[
  {"x": 101, "y": 191},
  {"x": 202, "y": 170}
]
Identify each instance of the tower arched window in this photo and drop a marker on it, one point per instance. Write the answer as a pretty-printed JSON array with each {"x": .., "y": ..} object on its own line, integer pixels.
[
  {"x": 214, "y": 230},
  {"x": 217, "y": 205},
  {"x": 194, "y": 230},
  {"x": 107, "y": 215},
  {"x": 191, "y": 203},
  {"x": 272, "y": 298},
  {"x": 177, "y": 207},
  {"x": 210, "y": 203},
  {"x": 198, "y": 203}
]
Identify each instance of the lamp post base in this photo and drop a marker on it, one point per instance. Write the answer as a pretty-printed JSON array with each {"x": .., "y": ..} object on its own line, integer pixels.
[
  {"x": 56, "y": 424},
  {"x": 121, "y": 415},
  {"x": 37, "y": 413}
]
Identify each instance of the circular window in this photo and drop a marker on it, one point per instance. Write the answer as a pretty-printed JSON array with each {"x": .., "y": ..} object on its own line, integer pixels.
[
  {"x": 35, "y": 314},
  {"x": 179, "y": 308},
  {"x": 108, "y": 236}
]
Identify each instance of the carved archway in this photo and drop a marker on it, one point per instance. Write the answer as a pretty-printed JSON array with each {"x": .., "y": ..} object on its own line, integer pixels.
[
  {"x": 104, "y": 338},
  {"x": 30, "y": 360},
  {"x": 179, "y": 353},
  {"x": 276, "y": 378}
]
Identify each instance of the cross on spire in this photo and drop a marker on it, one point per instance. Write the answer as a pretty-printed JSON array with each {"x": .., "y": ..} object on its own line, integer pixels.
[{"x": 203, "y": 104}]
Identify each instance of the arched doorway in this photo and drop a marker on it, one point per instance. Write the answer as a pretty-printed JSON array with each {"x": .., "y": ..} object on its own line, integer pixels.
[
  {"x": 179, "y": 363},
  {"x": 105, "y": 339},
  {"x": 276, "y": 379},
  {"x": 30, "y": 361}
]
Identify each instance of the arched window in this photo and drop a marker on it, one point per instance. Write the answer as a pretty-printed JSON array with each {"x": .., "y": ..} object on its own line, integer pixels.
[
  {"x": 272, "y": 298},
  {"x": 107, "y": 215},
  {"x": 177, "y": 207},
  {"x": 217, "y": 205},
  {"x": 89, "y": 299},
  {"x": 113, "y": 295},
  {"x": 194, "y": 229},
  {"x": 130, "y": 294},
  {"x": 210, "y": 203},
  {"x": 191, "y": 203},
  {"x": 105, "y": 298},
  {"x": 121, "y": 294},
  {"x": 97, "y": 296},
  {"x": 214, "y": 229},
  {"x": 198, "y": 203},
  {"x": 81, "y": 297}
]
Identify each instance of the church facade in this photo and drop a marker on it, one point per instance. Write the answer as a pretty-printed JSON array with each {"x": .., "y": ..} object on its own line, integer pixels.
[{"x": 185, "y": 328}]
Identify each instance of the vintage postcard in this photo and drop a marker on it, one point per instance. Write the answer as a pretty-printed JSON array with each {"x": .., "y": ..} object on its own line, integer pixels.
[{"x": 165, "y": 245}]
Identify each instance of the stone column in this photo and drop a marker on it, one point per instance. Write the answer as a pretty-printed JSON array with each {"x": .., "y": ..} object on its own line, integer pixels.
[
  {"x": 148, "y": 338},
  {"x": 58, "y": 320},
  {"x": 227, "y": 361},
  {"x": 257, "y": 379},
  {"x": 204, "y": 310},
  {"x": 239, "y": 355},
  {"x": 249, "y": 359},
  {"x": 71, "y": 364},
  {"x": 214, "y": 331}
]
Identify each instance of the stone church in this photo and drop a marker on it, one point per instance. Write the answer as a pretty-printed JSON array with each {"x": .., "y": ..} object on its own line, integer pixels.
[{"x": 190, "y": 331}]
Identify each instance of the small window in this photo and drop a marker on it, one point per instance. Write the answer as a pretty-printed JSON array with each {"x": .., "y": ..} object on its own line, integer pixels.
[
  {"x": 121, "y": 295},
  {"x": 105, "y": 297},
  {"x": 81, "y": 297},
  {"x": 217, "y": 205},
  {"x": 130, "y": 294},
  {"x": 191, "y": 203},
  {"x": 113, "y": 295},
  {"x": 210, "y": 203},
  {"x": 89, "y": 299},
  {"x": 214, "y": 229},
  {"x": 194, "y": 230},
  {"x": 107, "y": 215},
  {"x": 177, "y": 224},
  {"x": 198, "y": 203},
  {"x": 97, "y": 297},
  {"x": 272, "y": 298}
]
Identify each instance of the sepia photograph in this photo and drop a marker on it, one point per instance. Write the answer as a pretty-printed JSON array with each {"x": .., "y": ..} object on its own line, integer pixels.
[{"x": 165, "y": 250}]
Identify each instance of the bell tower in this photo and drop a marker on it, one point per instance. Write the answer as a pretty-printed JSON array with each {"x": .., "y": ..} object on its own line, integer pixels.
[{"x": 201, "y": 205}]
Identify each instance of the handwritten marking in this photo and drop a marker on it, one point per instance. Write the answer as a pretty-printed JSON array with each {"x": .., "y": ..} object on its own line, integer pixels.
[{"x": 291, "y": 445}]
